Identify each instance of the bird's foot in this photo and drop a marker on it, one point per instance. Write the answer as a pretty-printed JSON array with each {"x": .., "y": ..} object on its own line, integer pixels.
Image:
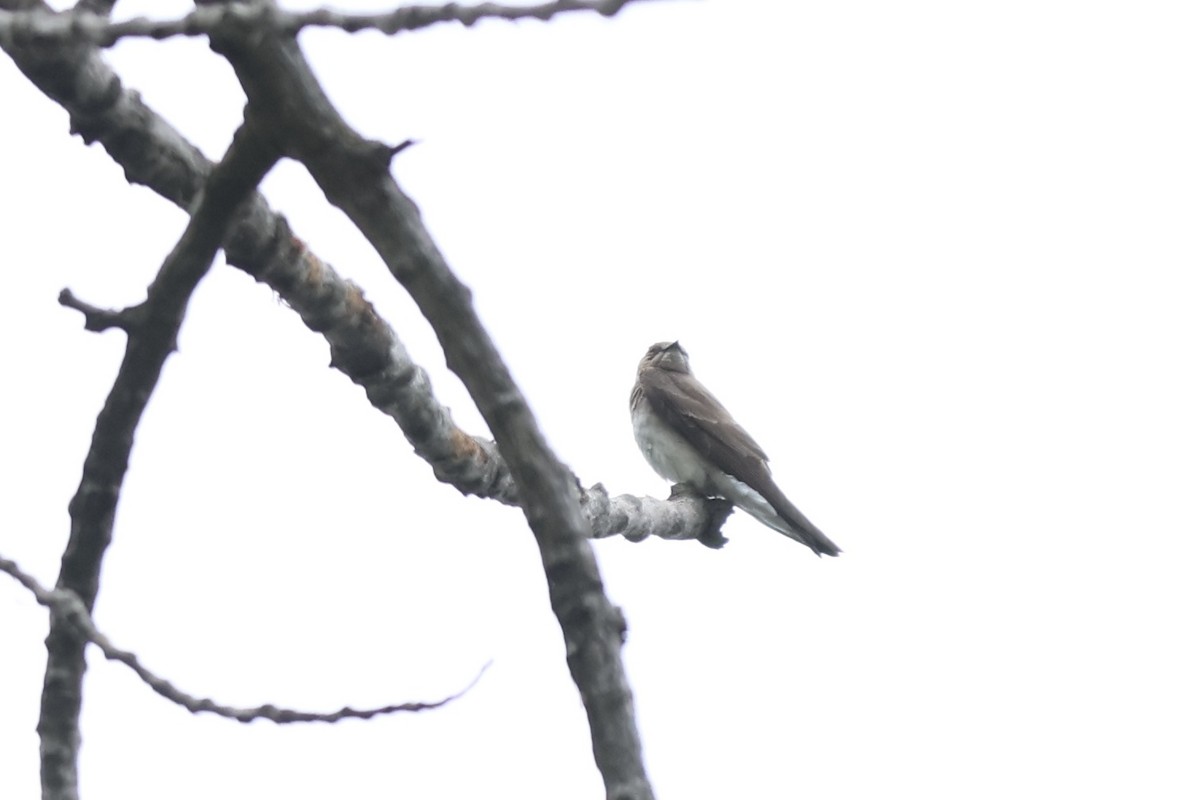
[
  {"x": 718, "y": 509},
  {"x": 679, "y": 490}
]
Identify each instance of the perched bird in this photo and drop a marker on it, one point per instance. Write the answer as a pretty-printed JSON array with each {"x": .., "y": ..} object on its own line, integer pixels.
[{"x": 688, "y": 437}]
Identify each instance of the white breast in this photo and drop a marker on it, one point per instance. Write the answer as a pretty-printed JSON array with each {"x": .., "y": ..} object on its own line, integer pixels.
[
  {"x": 674, "y": 459},
  {"x": 667, "y": 452}
]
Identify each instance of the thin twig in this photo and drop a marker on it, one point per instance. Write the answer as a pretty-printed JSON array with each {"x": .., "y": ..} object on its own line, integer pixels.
[
  {"x": 99, "y": 319},
  {"x": 235, "y": 18},
  {"x": 67, "y": 607}
]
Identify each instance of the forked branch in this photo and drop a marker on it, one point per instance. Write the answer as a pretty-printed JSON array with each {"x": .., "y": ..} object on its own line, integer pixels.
[{"x": 94, "y": 505}]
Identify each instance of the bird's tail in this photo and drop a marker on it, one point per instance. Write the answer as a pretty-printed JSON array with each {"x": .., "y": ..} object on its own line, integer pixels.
[
  {"x": 799, "y": 528},
  {"x": 775, "y": 511}
]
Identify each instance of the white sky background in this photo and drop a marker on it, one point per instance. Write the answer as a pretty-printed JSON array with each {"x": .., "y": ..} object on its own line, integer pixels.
[{"x": 941, "y": 259}]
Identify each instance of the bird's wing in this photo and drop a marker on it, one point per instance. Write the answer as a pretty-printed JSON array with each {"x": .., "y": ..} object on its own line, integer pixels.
[{"x": 683, "y": 403}]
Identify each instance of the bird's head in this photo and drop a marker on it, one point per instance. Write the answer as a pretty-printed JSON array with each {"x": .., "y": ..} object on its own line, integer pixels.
[{"x": 666, "y": 355}]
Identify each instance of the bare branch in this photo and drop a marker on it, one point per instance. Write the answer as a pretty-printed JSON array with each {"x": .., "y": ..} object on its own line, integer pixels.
[
  {"x": 67, "y": 607},
  {"x": 685, "y": 516},
  {"x": 400, "y": 148},
  {"x": 277, "y": 79},
  {"x": 99, "y": 319},
  {"x": 94, "y": 505},
  {"x": 363, "y": 346},
  {"x": 39, "y": 27}
]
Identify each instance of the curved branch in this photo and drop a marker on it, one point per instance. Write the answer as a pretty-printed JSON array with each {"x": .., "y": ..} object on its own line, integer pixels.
[{"x": 67, "y": 606}]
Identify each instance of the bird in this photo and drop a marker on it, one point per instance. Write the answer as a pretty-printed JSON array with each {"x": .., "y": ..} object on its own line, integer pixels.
[{"x": 689, "y": 438}]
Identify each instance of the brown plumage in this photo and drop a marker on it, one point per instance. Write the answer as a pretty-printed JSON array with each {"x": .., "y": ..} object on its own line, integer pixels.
[{"x": 690, "y": 438}]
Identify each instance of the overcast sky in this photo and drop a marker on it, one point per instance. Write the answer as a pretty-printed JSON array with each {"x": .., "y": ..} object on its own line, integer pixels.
[{"x": 940, "y": 258}]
